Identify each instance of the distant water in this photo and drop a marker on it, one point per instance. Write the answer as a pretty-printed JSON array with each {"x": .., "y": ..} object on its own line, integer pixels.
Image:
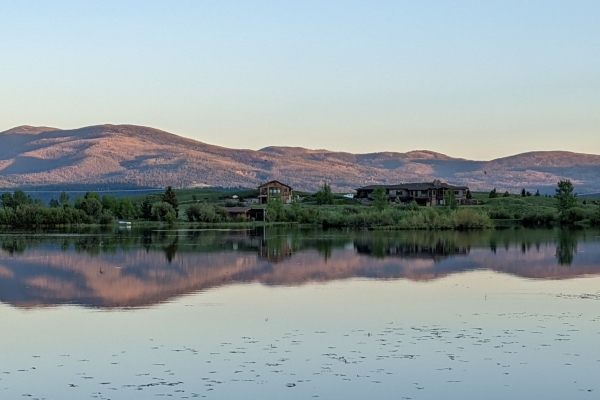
[{"x": 296, "y": 314}]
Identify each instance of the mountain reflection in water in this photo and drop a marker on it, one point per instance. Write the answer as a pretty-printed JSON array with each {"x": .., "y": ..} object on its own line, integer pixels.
[{"x": 142, "y": 267}]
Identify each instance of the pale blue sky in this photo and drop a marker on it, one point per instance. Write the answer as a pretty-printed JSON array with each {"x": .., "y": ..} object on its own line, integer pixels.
[{"x": 474, "y": 79}]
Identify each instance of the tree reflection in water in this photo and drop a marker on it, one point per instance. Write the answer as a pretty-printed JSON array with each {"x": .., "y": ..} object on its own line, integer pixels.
[
  {"x": 566, "y": 247},
  {"x": 43, "y": 268}
]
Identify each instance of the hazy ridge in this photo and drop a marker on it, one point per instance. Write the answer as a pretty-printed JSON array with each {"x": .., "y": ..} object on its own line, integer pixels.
[{"x": 141, "y": 156}]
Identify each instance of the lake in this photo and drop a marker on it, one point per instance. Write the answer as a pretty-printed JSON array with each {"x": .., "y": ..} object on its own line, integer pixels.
[{"x": 299, "y": 314}]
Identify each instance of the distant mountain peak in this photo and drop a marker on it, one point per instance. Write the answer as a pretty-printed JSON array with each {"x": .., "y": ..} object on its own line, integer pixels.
[{"x": 29, "y": 130}]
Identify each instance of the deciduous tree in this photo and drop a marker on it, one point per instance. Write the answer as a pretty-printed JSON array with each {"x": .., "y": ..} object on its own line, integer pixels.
[
  {"x": 324, "y": 195},
  {"x": 565, "y": 197},
  {"x": 380, "y": 199}
]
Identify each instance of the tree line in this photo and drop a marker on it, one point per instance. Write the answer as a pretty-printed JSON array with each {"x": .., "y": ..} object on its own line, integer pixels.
[{"x": 21, "y": 210}]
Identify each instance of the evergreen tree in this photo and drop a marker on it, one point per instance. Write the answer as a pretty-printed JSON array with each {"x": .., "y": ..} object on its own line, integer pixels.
[
  {"x": 171, "y": 198},
  {"x": 493, "y": 194},
  {"x": 146, "y": 208}
]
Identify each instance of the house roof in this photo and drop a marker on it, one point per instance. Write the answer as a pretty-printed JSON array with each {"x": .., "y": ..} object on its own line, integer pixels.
[
  {"x": 270, "y": 182},
  {"x": 414, "y": 186},
  {"x": 238, "y": 210}
]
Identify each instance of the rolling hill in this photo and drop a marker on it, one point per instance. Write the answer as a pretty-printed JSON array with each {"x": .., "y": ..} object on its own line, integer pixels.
[{"x": 141, "y": 156}]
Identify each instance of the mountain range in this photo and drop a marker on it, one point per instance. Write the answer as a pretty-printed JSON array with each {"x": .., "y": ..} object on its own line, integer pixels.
[{"x": 146, "y": 157}]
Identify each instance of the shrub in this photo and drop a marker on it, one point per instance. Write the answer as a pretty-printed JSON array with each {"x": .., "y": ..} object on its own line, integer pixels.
[
  {"x": 572, "y": 215},
  {"x": 170, "y": 217},
  {"x": 533, "y": 218},
  {"x": 160, "y": 210},
  {"x": 106, "y": 218},
  {"x": 470, "y": 219}
]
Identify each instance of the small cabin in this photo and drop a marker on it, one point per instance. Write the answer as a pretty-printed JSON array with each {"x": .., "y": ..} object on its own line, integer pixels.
[
  {"x": 274, "y": 190},
  {"x": 246, "y": 213}
]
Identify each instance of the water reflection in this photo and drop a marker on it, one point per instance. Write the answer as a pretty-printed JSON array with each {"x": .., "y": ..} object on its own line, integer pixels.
[{"x": 136, "y": 268}]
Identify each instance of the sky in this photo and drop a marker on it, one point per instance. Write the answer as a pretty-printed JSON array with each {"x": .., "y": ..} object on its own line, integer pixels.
[{"x": 472, "y": 79}]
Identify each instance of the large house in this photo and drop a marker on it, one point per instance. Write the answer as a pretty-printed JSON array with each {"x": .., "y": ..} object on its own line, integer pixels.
[
  {"x": 274, "y": 190},
  {"x": 425, "y": 194}
]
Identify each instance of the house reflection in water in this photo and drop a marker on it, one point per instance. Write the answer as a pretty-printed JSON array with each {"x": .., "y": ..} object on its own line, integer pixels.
[
  {"x": 275, "y": 251},
  {"x": 275, "y": 254}
]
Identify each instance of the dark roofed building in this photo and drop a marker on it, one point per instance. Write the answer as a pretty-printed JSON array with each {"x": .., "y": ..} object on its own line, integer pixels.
[
  {"x": 256, "y": 214},
  {"x": 424, "y": 193}
]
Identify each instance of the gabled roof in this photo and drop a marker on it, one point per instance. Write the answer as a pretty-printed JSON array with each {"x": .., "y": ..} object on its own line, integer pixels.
[
  {"x": 237, "y": 210},
  {"x": 268, "y": 183}
]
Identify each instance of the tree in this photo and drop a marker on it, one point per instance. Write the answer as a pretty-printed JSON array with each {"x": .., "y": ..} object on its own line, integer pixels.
[
  {"x": 92, "y": 195},
  {"x": 537, "y": 193},
  {"x": 564, "y": 195},
  {"x": 493, "y": 194},
  {"x": 275, "y": 210},
  {"x": 146, "y": 208},
  {"x": 523, "y": 193},
  {"x": 413, "y": 206},
  {"x": 380, "y": 199},
  {"x": 324, "y": 195},
  {"x": 528, "y": 193},
  {"x": 54, "y": 203},
  {"x": 506, "y": 194},
  {"x": 469, "y": 195},
  {"x": 91, "y": 206},
  {"x": 64, "y": 199},
  {"x": 8, "y": 201},
  {"x": 596, "y": 217},
  {"x": 125, "y": 209},
  {"x": 171, "y": 198},
  {"x": 110, "y": 203},
  {"x": 21, "y": 198},
  {"x": 161, "y": 211},
  {"x": 295, "y": 207},
  {"x": 450, "y": 200}
]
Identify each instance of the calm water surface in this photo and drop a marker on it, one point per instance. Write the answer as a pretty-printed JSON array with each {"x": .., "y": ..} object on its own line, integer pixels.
[{"x": 296, "y": 314}]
